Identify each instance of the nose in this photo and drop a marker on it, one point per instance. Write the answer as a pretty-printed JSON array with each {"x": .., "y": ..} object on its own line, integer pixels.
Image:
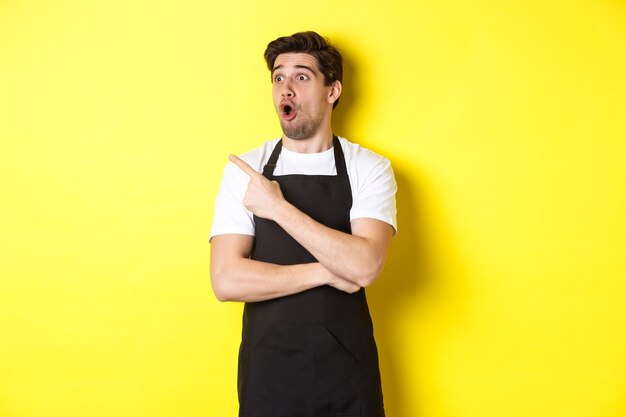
[{"x": 287, "y": 91}]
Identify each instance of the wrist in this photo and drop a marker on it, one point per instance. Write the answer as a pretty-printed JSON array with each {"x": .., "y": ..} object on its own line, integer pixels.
[
  {"x": 319, "y": 274},
  {"x": 281, "y": 212}
]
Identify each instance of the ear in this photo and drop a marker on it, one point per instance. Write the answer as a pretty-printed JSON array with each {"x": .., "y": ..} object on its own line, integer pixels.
[{"x": 334, "y": 92}]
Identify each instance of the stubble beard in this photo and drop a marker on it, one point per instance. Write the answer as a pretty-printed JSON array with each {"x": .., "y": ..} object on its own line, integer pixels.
[{"x": 304, "y": 128}]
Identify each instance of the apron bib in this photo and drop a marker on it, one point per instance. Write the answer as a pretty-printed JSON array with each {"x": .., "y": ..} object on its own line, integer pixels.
[{"x": 310, "y": 354}]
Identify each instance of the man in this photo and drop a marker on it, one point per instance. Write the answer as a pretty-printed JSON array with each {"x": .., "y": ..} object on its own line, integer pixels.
[{"x": 302, "y": 224}]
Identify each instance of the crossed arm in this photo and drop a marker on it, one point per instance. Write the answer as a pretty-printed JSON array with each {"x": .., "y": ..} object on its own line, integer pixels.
[{"x": 345, "y": 261}]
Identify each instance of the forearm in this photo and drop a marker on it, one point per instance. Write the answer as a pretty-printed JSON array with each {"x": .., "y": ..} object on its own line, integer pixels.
[
  {"x": 236, "y": 277},
  {"x": 359, "y": 259},
  {"x": 249, "y": 280}
]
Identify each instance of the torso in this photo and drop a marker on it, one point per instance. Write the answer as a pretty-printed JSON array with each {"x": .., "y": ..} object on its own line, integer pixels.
[{"x": 311, "y": 353}]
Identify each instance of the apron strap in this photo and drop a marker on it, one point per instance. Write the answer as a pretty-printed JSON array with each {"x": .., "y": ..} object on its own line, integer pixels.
[
  {"x": 268, "y": 169},
  {"x": 340, "y": 162}
]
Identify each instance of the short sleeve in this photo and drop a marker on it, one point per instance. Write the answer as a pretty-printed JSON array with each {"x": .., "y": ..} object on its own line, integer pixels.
[
  {"x": 375, "y": 196},
  {"x": 230, "y": 216}
]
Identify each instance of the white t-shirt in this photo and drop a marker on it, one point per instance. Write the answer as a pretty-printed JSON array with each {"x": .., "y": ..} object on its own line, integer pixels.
[{"x": 371, "y": 180}]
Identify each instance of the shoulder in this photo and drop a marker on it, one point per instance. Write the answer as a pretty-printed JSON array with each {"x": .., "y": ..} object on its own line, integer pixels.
[
  {"x": 357, "y": 154},
  {"x": 373, "y": 184},
  {"x": 362, "y": 162}
]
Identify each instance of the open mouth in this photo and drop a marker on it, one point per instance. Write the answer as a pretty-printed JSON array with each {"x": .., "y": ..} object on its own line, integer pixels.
[{"x": 288, "y": 111}]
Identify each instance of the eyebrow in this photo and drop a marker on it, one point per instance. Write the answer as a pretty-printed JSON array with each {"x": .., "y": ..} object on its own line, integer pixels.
[{"x": 296, "y": 66}]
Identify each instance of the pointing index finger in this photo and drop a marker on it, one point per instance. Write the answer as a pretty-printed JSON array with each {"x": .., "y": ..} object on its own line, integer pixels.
[{"x": 247, "y": 169}]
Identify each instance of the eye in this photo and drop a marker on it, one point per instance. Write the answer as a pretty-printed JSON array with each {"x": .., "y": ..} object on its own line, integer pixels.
[
  {"x": 278, "y": 78},
  {"x": 302, "y": 77}
]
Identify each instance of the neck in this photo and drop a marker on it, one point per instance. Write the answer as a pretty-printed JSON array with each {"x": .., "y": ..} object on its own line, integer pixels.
[{"x": 321, "y": 141}]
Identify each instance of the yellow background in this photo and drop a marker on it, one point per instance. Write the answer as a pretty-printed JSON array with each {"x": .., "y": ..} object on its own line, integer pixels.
[{"x": 504, "y": 294}]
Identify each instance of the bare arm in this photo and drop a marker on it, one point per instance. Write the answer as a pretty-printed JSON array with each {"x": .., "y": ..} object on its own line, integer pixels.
[
  {"x": 358, "y": 257},
  {"x": 235, "y": 277}
]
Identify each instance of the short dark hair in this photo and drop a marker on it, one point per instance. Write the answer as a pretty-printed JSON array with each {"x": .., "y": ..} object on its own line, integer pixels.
[{"x": 329, "y": 60}]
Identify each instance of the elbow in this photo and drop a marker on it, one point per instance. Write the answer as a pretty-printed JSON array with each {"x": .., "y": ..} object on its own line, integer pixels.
[
  {"x": 220, "y": 288},
  {"x": 365, "y": 280},
  {"x": 220, "y": 293},
  {"x": 368, "y": 273}
]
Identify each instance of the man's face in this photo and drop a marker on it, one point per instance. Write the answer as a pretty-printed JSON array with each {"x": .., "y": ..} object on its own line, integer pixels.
[{"x": 300, "y": 97}]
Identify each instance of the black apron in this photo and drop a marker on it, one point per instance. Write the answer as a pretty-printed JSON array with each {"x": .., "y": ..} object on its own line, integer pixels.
[{"x": 310, "y": 354}]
